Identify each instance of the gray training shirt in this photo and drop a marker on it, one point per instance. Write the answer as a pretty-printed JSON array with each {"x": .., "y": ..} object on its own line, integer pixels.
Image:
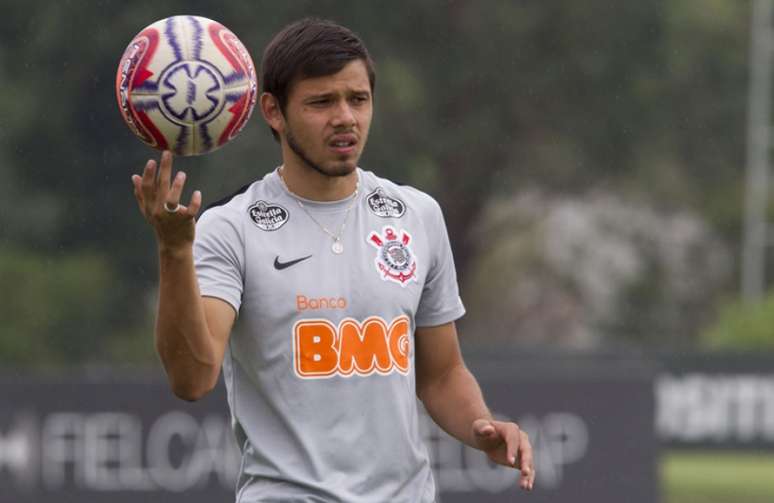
[{"x": 320, "y": 367}]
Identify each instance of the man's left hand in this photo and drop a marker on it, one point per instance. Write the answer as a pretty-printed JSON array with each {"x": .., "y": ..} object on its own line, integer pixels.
[{"x": 507, "y": 445}]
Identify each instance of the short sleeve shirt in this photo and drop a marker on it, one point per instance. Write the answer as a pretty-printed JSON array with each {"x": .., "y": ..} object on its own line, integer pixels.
[{"x": 319, "y": 370}]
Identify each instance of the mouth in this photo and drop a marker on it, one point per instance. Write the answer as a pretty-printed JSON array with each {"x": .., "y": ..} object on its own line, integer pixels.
[{"x": 343, "y": 144}]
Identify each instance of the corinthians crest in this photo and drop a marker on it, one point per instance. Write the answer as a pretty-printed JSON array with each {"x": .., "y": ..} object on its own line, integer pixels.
[{"x": 394, "y": 259}]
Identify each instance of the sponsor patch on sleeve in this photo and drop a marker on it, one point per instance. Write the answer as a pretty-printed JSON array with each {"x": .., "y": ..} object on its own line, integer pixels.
[
  {"x": 385, "y": 206},
  {"x": 268, "y": 216}
]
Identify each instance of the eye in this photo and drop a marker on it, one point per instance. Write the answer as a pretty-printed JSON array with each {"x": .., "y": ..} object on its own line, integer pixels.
[{"x": 321, "y": 102}]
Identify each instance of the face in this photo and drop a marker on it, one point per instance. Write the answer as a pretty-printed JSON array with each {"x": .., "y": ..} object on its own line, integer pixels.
[{"x": 327, "y": 118}]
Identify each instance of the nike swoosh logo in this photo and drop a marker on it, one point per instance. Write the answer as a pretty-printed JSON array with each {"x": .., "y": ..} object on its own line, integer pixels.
[{"x": 284, "y": 265}]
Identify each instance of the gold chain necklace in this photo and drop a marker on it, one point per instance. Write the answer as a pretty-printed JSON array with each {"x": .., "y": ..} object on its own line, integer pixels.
[{"x": 337, "y": 246}]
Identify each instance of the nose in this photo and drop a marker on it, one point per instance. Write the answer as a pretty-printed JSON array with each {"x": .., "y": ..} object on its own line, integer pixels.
[{"x": 343, "y": 115}]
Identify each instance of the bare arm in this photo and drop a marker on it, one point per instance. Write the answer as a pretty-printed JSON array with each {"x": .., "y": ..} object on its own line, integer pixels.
[
  {"x": 453, "y": 399},
  {"x": 191, "y": 331}
]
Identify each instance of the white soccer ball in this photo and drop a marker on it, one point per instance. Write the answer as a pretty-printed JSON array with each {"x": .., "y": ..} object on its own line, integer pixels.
[{"x": 186, "y": 84}]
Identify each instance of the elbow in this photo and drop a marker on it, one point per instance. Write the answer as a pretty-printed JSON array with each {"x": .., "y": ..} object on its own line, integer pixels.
[
  {"x": 191, "y": 393},
  {"x": 191, "y": 389},
  {"x": 190, "y": 382}
]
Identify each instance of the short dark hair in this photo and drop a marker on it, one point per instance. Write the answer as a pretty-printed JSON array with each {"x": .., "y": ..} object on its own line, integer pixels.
[{"x": 308, "y": 48}]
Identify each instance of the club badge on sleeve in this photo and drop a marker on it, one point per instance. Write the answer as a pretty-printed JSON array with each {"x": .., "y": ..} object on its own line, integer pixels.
[{"x": 394, "y": 259}]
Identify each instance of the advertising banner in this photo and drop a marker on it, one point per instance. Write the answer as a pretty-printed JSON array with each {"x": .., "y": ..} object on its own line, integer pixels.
[
  {"x": 716, "y": 402},
  {"x": 127, "y": 439}
]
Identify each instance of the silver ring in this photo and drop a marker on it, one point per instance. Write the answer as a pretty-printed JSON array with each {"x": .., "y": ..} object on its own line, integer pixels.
[{"x": 171, "y": 210}]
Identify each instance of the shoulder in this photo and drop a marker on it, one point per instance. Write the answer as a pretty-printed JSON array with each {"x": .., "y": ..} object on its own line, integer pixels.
[
  {"x": 384, "y": 196},
  {"x": 237, "y": 205},
  {"x": 224, "y": 211}
]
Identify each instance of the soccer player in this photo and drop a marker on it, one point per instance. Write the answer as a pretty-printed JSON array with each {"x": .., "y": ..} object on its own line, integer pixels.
[{"x": 346, "y": 291}]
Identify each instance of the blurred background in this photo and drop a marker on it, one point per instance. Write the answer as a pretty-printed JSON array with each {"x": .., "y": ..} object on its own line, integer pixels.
[{"x": 603, "y": 169}]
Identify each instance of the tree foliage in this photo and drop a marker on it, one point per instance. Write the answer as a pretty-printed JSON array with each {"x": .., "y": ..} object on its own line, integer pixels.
[
  {"x": 474, "y": 100},
  {"x": 743, "y": 326}
]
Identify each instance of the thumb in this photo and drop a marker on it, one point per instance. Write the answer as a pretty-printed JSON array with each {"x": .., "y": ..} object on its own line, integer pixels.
[{"x": 483, "y": 429}]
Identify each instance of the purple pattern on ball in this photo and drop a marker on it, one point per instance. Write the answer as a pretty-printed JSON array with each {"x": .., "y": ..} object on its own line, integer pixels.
[
  {"x": 146, "y": 105},
  {"x": 197, "y": 37},
  {"x": 170, "y": 33},
  {"x": 182, "y": 139},
  {"x": 233, "y": 77},
  {"x": 204, "y": 135},
  {"x": 233, "y": 97},
  {"x": 190, "y": 90}
]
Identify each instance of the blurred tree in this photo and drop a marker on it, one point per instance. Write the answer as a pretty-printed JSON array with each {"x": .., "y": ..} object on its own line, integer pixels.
[
  {"x": 55, "y": 309},
  {"x": 593, "y": 270},
  {"x": 474, "y": 100},
  {"x": 743, "y": 326}
]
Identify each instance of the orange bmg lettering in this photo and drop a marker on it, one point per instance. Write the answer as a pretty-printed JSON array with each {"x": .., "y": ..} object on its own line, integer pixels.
[
  {"x": 314, "y": 348},
  {"x": 322, "y": 349}
]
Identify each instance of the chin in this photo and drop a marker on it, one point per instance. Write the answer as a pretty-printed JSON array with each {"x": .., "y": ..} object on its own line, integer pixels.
[{"x": 341, "y": 168}]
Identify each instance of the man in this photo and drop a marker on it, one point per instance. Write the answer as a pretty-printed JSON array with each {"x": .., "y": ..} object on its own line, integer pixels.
[{"x": 346, "y": 290}]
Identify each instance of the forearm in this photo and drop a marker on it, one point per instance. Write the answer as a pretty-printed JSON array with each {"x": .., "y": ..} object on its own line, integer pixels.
[
  {"x": 454, "y": 401},
  {"x": 183, "y": 341}
]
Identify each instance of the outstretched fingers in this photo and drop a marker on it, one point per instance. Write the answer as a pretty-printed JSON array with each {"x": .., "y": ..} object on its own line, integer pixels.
[
  {"x": 149, "y": 180},
  {"x": 174, "y": 197},
  {"x": 196, "y": 203},
  {"x": 158, "y": 194},
  {"x": 144, "y": 187},
  {"x": 507, "y": 444},
  {"x": 164, "y": 176},
  {"x": 137, "y": 184},
  {"x": 512, "y": 435},
  {"x": 526, "y": 463},
  {"x": 176, "y": 190},
  {"x": 156, "y": 188}
]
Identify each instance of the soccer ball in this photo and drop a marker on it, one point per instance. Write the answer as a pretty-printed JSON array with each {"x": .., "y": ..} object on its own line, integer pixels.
[{"x": 186, "y": 84}]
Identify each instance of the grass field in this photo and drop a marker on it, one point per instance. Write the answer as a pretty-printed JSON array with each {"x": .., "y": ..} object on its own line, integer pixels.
[{"x": 717, "y": 477}]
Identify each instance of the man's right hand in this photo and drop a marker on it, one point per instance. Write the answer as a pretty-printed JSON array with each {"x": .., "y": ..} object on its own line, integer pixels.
[
  {"x": 158, "y": 197},
  {"x": 191, "y": 331}
]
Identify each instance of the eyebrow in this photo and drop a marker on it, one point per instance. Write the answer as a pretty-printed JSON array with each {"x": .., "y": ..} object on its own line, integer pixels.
[
  {"x": 313, "y": 97},
  {"x": 321, "y": 96}
]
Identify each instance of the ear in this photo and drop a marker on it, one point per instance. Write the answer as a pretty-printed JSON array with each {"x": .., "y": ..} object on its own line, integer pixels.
[{"x": 272, "y": 113}]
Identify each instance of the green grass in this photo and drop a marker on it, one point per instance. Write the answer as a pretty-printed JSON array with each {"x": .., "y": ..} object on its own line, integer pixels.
[{"x": 717, "y": 477}]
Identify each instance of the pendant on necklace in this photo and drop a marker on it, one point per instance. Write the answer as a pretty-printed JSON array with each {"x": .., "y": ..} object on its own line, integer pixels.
[{"x": 337, "y": 247}]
